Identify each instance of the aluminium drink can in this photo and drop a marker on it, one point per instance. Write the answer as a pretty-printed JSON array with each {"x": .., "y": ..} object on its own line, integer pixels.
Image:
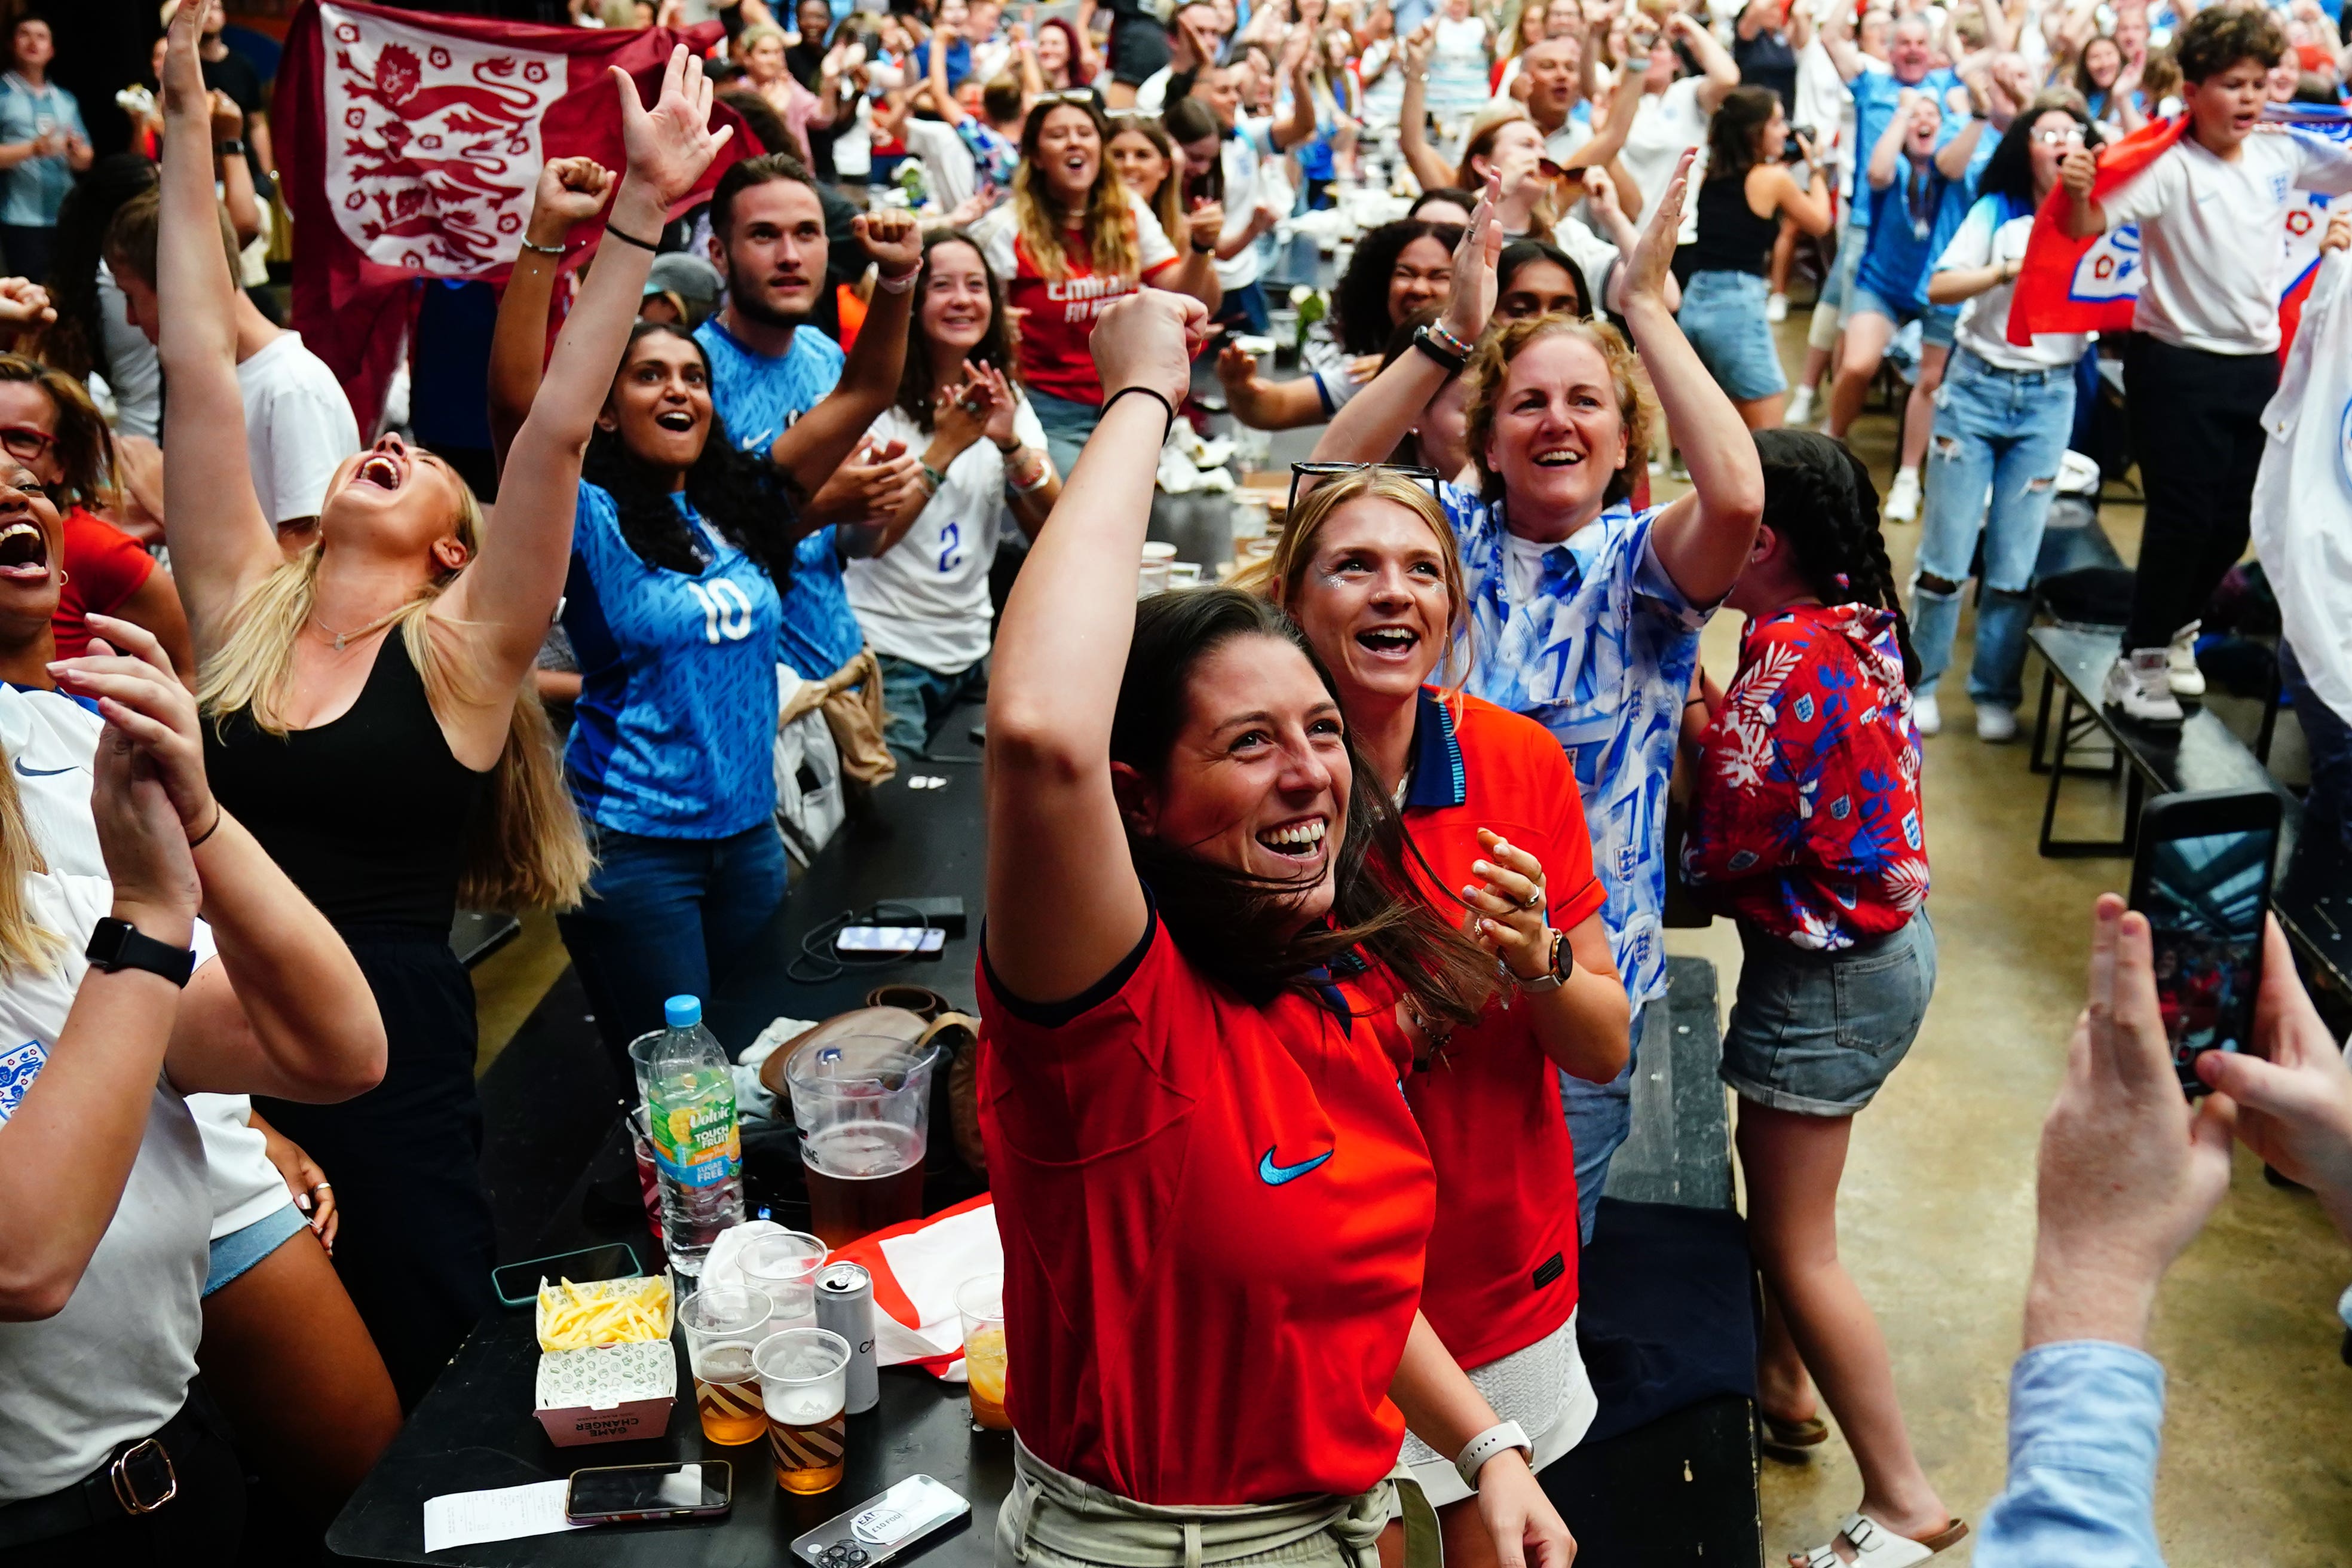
[{"x": 845, "y": 1305}]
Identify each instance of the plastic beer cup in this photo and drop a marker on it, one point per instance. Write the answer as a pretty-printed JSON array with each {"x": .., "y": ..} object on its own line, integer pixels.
[
  {"x": 803, "y": 1383},
  {"x": 723, "y": 1326},
  {"x": 980, "y": 1301}
]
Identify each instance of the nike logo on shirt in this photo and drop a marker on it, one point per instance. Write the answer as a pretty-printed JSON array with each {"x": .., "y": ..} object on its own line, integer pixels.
[
  {"x": 40, "y": 773},
  {"x": 1275, "y": 1176}
]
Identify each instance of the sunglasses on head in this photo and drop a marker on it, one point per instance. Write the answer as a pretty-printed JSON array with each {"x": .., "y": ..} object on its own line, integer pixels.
[{"x": 1315, "y": 473}]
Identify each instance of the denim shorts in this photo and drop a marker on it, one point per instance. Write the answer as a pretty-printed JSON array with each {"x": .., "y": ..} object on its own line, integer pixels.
[
  {"x": 239, "y": 1250},
  {"x": 1937, "y": 323},
  {"x": 1723, "y": 317},
  {"x": 1817, "y": 1032}
]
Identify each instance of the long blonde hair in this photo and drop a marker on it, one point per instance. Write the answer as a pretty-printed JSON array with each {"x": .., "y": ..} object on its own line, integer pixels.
[
  {"x": 23, "y": 944},
  {"x": 528, "y": 851},
  {"x": 1113, "y": 248},
  {"x": 1279, "y": 576}
]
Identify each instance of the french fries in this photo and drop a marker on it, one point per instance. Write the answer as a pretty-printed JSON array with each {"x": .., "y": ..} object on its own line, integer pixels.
[{"x": 602, "y": 1312}]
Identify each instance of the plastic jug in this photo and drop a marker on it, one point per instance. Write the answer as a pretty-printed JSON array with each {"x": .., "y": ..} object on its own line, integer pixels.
[{"x": 863, "y": 1106}]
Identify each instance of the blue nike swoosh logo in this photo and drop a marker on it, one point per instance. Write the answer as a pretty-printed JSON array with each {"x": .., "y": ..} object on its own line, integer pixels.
[
  {"x": 40, "y": 773},
  {"x": 1275, "y": 1176}
]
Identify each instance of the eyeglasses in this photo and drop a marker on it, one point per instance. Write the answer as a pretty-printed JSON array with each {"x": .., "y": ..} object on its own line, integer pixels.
[
  {"x": 1318, "y": 472},
  {"x": 1083, "y": 97},
  {"x": 25, "y": 444},
  {"x": 2073, "y": 138}
]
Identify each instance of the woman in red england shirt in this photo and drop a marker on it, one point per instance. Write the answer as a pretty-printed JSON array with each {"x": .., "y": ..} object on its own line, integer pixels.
[
  {"x": 1212, "y": 1197},
  {"x": 1072, "y": 240},
  {"x": 1370, "y": 568},
  {"x": 1806, "y": 828}
]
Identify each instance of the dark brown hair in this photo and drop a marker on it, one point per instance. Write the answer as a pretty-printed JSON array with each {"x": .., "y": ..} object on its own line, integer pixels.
[
  {"x": 2220, "y": 36},
  {"x": 915, "y": 387},
  {"x": 764, "y": 170},
  {"x": 84, "y": 448}
]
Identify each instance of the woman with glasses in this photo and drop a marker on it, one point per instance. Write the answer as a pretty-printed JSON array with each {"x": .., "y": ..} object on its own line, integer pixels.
[
  {"x": 1072, "y": 239},
  {"x": 1214, "y": 1199},
  {"x": 49, "y": 424},
  {"x": 1586, "y": 612},
  {"x": 2002, "y": 424},
  {"x": 1369, "y": 567}
]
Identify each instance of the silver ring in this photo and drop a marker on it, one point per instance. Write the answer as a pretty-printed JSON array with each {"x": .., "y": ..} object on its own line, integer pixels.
[{"x": 324, "y": 1187}]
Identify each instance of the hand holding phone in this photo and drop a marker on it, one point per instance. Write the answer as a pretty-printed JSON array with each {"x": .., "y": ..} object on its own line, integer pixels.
[{"x": 2202, "y": 878}]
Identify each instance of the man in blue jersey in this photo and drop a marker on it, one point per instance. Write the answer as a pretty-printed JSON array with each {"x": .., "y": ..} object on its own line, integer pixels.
[{"x": 768, "y": 367}]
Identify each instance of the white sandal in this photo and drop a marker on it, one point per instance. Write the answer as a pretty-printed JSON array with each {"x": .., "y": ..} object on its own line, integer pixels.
[{"x": 1876, "y": 1546}]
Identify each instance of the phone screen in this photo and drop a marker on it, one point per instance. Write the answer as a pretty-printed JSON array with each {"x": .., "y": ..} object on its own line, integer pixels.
[
  {"x": 2204, "y": 898},
  {"x": 647, "y": 1488}
]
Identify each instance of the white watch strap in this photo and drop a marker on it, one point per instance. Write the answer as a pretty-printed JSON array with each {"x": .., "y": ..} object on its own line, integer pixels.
[{"x": 1486, "y": 1446}]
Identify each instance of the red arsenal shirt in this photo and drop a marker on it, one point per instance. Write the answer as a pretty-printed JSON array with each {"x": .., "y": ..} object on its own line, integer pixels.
[
  {"x": 1213, "y": 1216},
  {"x": 1501, "y": 1256},
  {"x": 1058, "y": 316}
]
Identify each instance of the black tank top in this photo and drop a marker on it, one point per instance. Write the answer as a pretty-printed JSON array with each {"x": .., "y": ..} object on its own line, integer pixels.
[
  {"x": 1731, "y": 238},
  {"x": 367, "y": 814}
]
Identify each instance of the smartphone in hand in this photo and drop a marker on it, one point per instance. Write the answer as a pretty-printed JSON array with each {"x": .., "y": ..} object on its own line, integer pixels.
[{"x": 2202, "y": 878}]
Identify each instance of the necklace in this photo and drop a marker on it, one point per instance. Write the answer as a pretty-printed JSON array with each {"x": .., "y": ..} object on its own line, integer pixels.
[{"x": 343, "y": 639}]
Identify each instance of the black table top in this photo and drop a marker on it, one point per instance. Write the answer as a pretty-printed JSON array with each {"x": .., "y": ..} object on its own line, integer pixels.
[{"x": 2201, "y": 753}]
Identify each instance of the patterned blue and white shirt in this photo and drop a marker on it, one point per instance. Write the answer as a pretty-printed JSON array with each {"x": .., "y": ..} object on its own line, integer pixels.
[
  {"x": 1602, "y": 655},
  {"x": 759, "y": 397}
]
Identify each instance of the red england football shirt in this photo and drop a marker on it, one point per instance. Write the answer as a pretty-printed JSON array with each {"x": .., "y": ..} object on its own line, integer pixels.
[
  {"x": 1213, "y": 1216},
  {"x": 1501, "y": 1256},
  {"x": 104, "y": 566},
  {"x": 1058, "y": 316}
]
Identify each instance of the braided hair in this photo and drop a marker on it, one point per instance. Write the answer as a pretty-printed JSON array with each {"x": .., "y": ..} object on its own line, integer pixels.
[{"x": 1818, "y": 495}]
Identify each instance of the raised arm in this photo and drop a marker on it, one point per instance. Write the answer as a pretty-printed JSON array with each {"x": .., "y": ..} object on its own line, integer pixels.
[
  {"x": 1609, "y": 140},
  {"x": 221, "y": 544},
  {"x": 1299, "y": 129},
  {"x": 1837, "y": 37},
  {"x": 1061, "y": 651},
  {"x": 818, "y": 441},
  {"x": 1413, "y": 115},
  {"x": 1722, "y": 71},
  {"x": 2000, "y": 36},
  {"x": 1703, "y": 538},
  {"x": 571, "y": 191},
  {"x": 1377, "y": 418},
  {"x": 1888, "y": 150},
  {"x": 505, "y": 602},
  {"x": 1952, "y": 157},
  {"x": 2083, "y": 217}
]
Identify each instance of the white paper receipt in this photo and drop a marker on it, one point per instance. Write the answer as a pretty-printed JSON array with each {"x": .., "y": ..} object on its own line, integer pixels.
[{"x": 462, "y": 1519}]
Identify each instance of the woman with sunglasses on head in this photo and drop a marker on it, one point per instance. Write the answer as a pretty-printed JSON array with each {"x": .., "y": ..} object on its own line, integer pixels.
[
  {"x": 1586, "y": 612},
  {"x": 2002, "y": 423},
  {"x": 1397, "y": 268},
  {"x": 1213, "y": 1200},
  {"x": 1369, "y": 568},
  {"x": 366, "y": 706},
  {"x": 921, "y": 592},
  {"x": 1072, "y": 239}
]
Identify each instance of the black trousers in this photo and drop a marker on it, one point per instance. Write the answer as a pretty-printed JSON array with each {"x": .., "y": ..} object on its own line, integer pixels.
[
  {"x": 2196, "y": 429},
  {"x": 416, "y": 1244},
  {"x": 199, "y": 1528}
]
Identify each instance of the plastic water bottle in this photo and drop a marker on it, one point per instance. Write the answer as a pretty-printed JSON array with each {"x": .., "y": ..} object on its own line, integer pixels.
[{"x": 697, "y": 1149}]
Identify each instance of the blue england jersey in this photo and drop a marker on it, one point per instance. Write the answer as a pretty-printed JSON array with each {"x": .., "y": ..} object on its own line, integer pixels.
[
  {"x": 759, "y": 397},
  {"x": 675, "y": 733}
]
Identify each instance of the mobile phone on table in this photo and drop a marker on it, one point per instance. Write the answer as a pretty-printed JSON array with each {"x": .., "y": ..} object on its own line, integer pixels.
[
  {"x": 882, "y": 1527},
  {"x": 2202, "y": 878},
  {"x": 614, "y": 1494},
  {"x": 517, "y": 1284},
  {"x": 890, "y": 939}
]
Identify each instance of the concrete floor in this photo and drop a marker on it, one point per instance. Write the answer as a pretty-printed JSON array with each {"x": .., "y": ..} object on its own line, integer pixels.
[
  {"x": 1938, "y": 1198},
  {"x": 1938, "y": 1211}
]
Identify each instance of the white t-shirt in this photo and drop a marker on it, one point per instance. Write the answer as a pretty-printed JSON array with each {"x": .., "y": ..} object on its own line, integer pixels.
[
  {"x": 1981, "y": 240},
  {"x": 1523, "y": 563},
  {"x": 297, "y": 427},
  {"x": 133, "y": 371},
  {"x": 115, "y": 1365},
  {"x": 1244, "y": 154},
  {"x": 2210, "y": 235},
  {"x": 946, "y": 161},
  {"x": 926, "y": 599},
  {"x": 1152, "y": 93},
  {"x": 1826, "y": 108},
  {"x": 1666, "y": 125}
]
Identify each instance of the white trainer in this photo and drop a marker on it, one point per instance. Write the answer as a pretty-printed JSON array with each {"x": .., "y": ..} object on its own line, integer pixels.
[
  {"x": 1776, "y": 309},
  {"x": 1801, "y": 409},
  {"x": 1996, "y": 724},
  {"x": 1902, "y": 496},
  {"x": 2181, "y": 662},
  {"x": 2139, "y": 684},
  {"x": 1926, "y": 713}
]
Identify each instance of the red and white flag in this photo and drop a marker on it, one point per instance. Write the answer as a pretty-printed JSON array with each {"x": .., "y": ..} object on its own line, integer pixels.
[{"x": 410, "y": 146}]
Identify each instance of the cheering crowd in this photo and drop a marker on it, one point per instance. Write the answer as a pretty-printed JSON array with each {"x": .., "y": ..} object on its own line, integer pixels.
[{"x": 891, "y": 322}]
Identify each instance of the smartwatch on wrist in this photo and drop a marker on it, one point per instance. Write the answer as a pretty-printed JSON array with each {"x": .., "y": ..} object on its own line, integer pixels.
[
  {"x": 232, "y": 148},
  {"x": 1555, "y": 975},
  {"x": 1486, "y": 1445},
  {"x": 116, "y": 944}
]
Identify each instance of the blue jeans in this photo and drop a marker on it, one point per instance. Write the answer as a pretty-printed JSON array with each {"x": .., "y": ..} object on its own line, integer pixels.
[
  {"x": 2328, "y": 806},
  {"x": 668, "y": 916},
  {"x": 1067, "y": 426},
  {"x": 915, "y": 700},
  {"x": 1245, "y": 307},
  {"x": 2003, "y": 432},
  {"x": 1723, "y": 317},
  {"x": 1599, "y": 1119}
]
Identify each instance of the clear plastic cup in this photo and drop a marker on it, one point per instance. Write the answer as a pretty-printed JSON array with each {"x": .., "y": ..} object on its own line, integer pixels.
[
  {"x": 723, "y": 1326},
  {"x": 804, "y": 1386},
  {"x": 785, "y": 1266},
  {"x": 980, "y": 1301},
  {"x": 641, "y": 1062},
  {"x": 641, "y": 1148}
]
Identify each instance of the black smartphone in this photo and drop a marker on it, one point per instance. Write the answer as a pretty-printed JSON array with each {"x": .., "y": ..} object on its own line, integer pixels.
[
  {"x": 2202, "y": 878},
  {"x": 882, "y": 1527},
  {"x": 517, "y": 1284},
  {"x": 616, "y": 1493}
]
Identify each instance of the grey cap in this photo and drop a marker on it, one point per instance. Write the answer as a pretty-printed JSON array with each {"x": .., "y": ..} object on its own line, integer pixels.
[{"x": 687, "y": 276}]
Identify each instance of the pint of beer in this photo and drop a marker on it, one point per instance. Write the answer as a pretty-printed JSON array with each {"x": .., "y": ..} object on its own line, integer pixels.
[
  {"x": 802, "y": 1385},
  {"x": 862, "y": 1108},
  {"x": 723, "y": 1326}
]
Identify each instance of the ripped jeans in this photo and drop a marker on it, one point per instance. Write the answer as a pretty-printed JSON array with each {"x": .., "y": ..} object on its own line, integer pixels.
[{"x": 1998, "y": 433}]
